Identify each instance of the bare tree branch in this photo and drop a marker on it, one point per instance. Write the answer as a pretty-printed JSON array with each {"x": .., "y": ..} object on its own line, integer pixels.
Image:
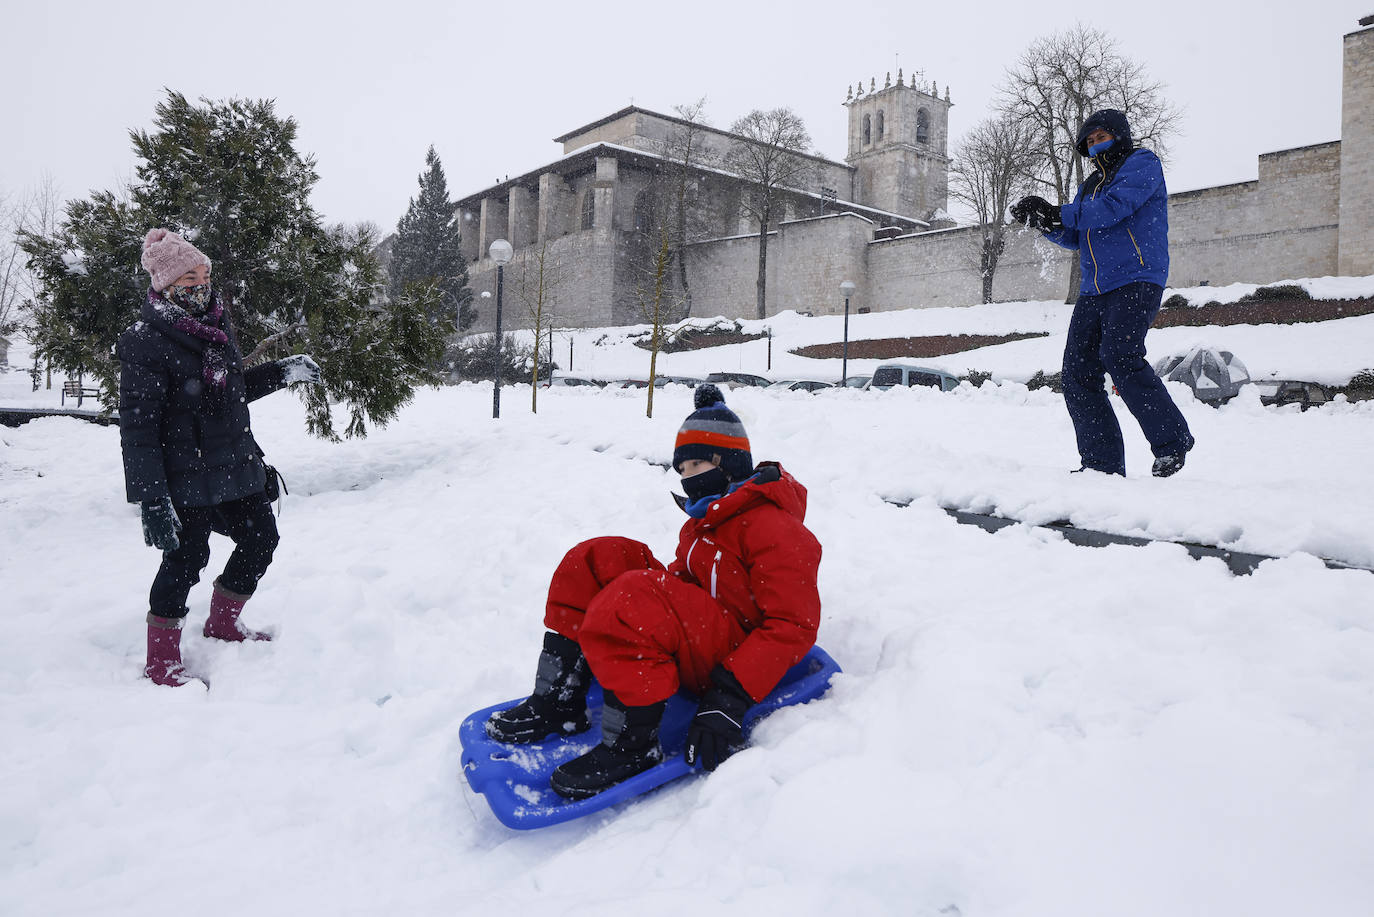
[
  {"x": 767, "y": 158},
  {"x": 1061, "y": 79},
  {"x": 990, "y": 168},
  {"x": 267, "y": 343},
  {"x": 536, "y": 285}
]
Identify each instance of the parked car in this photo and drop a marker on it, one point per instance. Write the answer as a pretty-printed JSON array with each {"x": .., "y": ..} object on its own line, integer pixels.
[
  {"x": 857, "y": 381},
  {"x": 560, "y": 379},
  {"x": 1292, "y": 391},
  {"x": 736, "y": 380},
  {"x": 889, "y": 375},
  {"x": 689, "y": 381},
  {"x": 801, "y": 385},
  {"x": 627, "y": 383}
]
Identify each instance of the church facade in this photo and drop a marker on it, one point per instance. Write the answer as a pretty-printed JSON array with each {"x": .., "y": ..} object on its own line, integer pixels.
[{"x": 878, "y": 219}]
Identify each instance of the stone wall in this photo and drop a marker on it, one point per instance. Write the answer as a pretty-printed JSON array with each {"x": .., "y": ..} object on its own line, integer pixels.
[
  {"x": 807, "y": 261},
  {"x": 1356, "y": 243},
  {"x": 941, "y": 269},
  {"x": 579, "y": 270},
  {"x": 1281, "y": 226}
]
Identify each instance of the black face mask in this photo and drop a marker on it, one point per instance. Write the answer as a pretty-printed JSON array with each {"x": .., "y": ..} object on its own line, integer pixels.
[{"x": 711, "y": 483}]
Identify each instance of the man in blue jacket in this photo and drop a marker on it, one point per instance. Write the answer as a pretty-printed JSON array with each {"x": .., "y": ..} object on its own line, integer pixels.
[{"x": 1119, "y": 223}]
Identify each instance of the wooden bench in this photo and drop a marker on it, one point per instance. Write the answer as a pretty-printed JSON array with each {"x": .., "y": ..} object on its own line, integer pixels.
[{"x": 75, "y": 389}]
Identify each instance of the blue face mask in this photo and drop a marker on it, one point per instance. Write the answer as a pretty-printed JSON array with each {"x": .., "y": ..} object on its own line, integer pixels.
[{"x": 1101, "y": 147}]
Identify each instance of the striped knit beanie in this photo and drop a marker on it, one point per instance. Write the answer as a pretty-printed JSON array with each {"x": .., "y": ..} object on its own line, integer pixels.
[{"x": 713, "y": 432}]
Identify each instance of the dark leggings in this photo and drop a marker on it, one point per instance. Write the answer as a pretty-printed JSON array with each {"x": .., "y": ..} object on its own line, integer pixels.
[{"x": 249, "y": 522}]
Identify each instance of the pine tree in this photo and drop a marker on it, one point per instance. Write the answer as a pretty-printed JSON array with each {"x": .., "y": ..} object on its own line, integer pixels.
[
  {"x": 428, "y": 248},
  {"x": 227, "y": 176}
]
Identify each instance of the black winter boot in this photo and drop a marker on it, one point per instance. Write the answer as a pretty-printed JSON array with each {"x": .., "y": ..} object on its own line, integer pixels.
[
  {"x": 629, "y": 745},
  {"x": 1167, "y": 465},
  {"x": 559, "y": 702}
]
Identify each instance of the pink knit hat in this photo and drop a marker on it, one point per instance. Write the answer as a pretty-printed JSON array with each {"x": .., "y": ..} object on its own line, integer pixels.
[{"x": 166, "y": 256}]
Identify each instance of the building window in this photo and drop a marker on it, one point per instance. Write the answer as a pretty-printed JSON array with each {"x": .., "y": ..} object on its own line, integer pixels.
[
  {"x": 880, "y": 125},
  {"x": 644, "y": 212},
  {"x": 589, "y": 209},
  {"x": 868, "y": 130},
  {"x": 922, "y": 126}
]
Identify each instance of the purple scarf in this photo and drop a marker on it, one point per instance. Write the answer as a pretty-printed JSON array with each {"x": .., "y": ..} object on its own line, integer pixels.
[{"x": 214, "y": 363}]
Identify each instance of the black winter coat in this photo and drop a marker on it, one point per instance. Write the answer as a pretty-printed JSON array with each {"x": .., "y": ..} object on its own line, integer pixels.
[{"x": 172, "y": 445}]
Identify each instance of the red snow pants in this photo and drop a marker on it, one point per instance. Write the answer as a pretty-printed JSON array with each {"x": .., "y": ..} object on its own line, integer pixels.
[{"x": 644, "y": 631}]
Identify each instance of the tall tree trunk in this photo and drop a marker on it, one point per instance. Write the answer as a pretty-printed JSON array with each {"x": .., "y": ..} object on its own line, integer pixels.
[
  {"x": 681, "y": 253},
  {"x": 763, "y": 262},
  {"x": 986, "y": 268},
  {"x": 994, "y": 244}
]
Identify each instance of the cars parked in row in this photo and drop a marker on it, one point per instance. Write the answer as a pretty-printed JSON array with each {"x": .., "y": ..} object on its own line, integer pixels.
[{"x": 886, "y": 376}]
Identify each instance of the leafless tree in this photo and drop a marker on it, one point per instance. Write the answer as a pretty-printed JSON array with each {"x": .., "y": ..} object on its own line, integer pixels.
[
  {"x": 686, "y": 154},
  {"x": 768, "y": 159},
  {"x": 11, "y": 265},
  {"x": 659, "y": 303},
  {"x": 1061, "y": 79},
  {"x": 536, "y": 285},
  {"x": 990, "y": 171},
  {"x": 35, "y": 211}
]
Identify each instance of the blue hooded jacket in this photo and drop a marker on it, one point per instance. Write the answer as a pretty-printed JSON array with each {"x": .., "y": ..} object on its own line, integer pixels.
[{"x": 1119, "y": 220}]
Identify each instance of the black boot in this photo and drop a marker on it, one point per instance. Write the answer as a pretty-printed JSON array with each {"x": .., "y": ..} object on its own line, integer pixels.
[
  {"x": 629, "y": 745},
  {"x": 558, "y": 705},
  {"x": 1167, "y": 465}
]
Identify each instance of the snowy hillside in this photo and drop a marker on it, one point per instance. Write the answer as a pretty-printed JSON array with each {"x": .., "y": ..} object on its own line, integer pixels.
[{"x": 1023, "y": 727}]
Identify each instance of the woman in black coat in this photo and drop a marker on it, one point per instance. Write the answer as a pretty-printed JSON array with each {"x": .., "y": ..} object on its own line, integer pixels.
[{"x": 190, "y": 460}]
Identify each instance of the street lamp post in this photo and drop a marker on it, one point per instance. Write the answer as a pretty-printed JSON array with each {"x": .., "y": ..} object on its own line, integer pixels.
[
  {"x": 501, "y": 253},
  {"x": 846, "y": 290}
]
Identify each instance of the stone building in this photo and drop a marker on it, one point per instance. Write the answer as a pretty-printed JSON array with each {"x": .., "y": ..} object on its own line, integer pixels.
[{"x": 878, "y": 218}]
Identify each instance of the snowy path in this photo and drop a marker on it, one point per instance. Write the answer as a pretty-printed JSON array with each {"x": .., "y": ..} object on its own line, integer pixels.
[{"x": 1024, "y": 727}]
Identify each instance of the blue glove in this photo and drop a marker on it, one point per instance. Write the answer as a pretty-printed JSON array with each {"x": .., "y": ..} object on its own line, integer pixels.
[
  {"x": 717, "y": 731},
  {"x": 300, "y": 368},
  {"x": 161, "y": 524}
]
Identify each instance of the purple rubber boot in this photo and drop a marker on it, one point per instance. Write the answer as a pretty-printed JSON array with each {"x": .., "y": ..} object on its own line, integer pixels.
[
  {"x": 164, "y": 652},
  {"x": 223, "y": 623}
]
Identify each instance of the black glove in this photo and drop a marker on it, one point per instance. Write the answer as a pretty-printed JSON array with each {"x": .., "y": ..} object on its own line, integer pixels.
[
  {"x": 1020, "y": 211},
  {"x": 160, "y": 524},
  {"x": 1037, "y": 213},
  {"x": 717, "y": 731}
]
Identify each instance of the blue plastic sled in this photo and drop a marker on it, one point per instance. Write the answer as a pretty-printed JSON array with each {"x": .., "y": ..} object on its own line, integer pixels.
[{"x": 515, "y": 778}]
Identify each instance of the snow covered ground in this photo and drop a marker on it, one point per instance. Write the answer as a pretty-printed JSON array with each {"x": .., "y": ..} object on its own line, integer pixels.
[{"x": 1023, "y": 728}]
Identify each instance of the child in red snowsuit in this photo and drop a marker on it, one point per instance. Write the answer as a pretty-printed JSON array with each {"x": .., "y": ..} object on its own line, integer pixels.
[{"x": 736, "y": 608}]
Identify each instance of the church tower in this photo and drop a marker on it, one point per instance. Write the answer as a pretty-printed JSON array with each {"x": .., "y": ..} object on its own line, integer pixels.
[{"x": 899, "y": 146}]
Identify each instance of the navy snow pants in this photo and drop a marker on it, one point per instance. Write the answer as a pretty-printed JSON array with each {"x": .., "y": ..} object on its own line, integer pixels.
[{"x": 1107, "y": 335}]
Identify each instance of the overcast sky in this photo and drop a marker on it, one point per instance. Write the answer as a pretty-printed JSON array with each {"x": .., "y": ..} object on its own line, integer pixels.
[{"x": 373, "y": 84}]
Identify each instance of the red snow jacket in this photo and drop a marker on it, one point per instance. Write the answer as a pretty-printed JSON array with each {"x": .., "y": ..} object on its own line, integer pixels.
[{"x": 755, "y": 556}]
